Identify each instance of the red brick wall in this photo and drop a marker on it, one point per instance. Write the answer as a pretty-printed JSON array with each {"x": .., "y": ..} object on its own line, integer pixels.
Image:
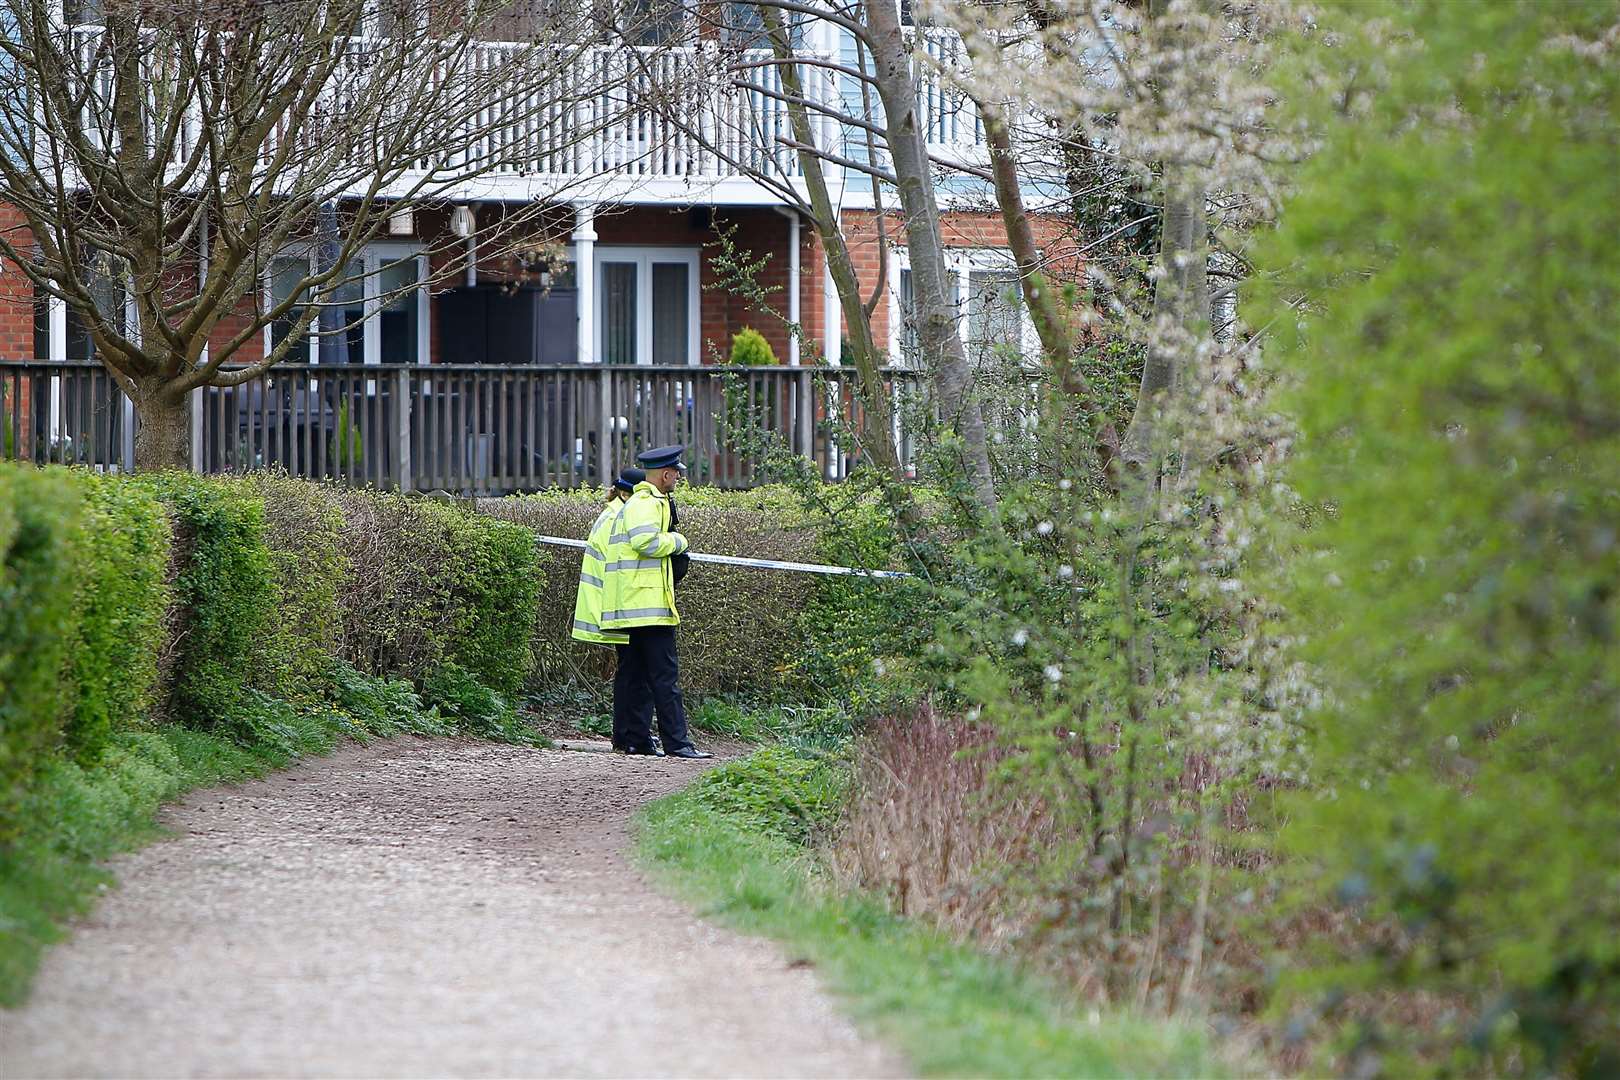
[
  {"x": 16, "y": 293},
  {"x": 721, "y": 314},
  {"x": 958, "y": 229}
]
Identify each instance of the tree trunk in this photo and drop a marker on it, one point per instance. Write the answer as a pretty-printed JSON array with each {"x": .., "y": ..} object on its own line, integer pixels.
[
  {"x": 1059, "y": 340},
  {"x": 937, "y": 335},
  {"x": 876, "y": 429},
  {"x": 1180, "y": 318},
  {"x": 162, "y": 428}
]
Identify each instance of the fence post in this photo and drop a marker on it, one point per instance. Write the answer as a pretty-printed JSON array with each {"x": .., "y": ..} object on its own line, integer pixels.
[
  {"x": 806, "y": 421},
  {"x": 606, "y": 436},
  {"x": 197, "y": 428},
  {"x": 402, "y": 428}
]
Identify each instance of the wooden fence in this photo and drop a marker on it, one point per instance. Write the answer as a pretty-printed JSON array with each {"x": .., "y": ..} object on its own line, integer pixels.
[{"x": 469, "y": 429}]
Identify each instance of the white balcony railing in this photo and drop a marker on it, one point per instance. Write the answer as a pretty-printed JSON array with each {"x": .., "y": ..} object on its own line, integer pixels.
[{"x": 534, "y": 116}]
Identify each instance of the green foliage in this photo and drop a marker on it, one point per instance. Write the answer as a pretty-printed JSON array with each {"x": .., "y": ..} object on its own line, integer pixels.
[
  {"x": 775, "y": 791},
  {"x": 1455, "y": 236},
  {"x": 381, "y": 706},
  {"x": 431, "y": 582},
  {"x": 495, "y": 586},
  {"x": 474, "y": 708},
  {"x": 303, "y": 533},
  {"x": 39, "y": 523},
  {"x": 953, "y": 1010},
  {"x": 750, "y": 349},
  {"x": 346, "y": 446},
  {"x": 122, "y": 557},
  {"x": 225, "y": 599}
]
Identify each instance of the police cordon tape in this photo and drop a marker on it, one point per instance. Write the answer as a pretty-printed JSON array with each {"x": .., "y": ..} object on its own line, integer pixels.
[{"x": 758, "y": 564}]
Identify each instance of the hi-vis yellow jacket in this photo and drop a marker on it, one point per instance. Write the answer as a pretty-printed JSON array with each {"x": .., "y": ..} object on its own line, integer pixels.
[
  {"x": 588, "y": 602},
  {"x": 640, "y": 584}
]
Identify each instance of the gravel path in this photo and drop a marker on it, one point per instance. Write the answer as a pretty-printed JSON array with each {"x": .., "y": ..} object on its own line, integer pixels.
[{"x": 419, "y": 908}]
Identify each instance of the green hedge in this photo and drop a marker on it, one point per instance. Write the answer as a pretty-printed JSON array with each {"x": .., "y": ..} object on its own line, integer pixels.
[
  {"x": 122, "y": 592},
  {"x": 39, "y": 517},
  {"x": 170, "y": 630},
  {"x": 742, "y": 630}
]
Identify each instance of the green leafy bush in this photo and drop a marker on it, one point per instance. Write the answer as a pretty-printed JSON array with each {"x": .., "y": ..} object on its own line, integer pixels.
[
  {"x": 303, "y": 533},
  {"x": 39, "y": 529},
  {"x": 775, "y": 791},
  {"x": 474, "y": 708},
  {"x": 122, "y": 557},
  {"x": 750, "y": 349},
  {"x": 1459, "y": 387},
  {"x": 378, "y": 706},
  {"x": 226, "y": 598},
  {"x": 495, "y": 588}
]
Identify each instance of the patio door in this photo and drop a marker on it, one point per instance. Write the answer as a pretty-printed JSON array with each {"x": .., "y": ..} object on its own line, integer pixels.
[{"x": 649, "y": 305}]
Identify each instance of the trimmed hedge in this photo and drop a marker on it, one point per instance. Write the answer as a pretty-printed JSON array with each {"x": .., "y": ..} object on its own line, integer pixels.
[
  {"x": 121, "y": 563},
  {"x": 165, "y": 631},
  {"x": 39, "y": 516},
  {"x": 431, "y": 583},
  {"x": 270, "y": 611},
  {"x": 757, "y": 632}
]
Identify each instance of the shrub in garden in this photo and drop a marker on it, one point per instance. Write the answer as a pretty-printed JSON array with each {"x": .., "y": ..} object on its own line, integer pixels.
[
  {"x": 1459, "y": 385},
  {"x": 39, "y": 522},
  {"x": 120, "y": 564},
  {"x": 739, "y": 627},
  {"x": 225, "y": 620},
  {"x": 750, "y": 349},
  {"x": 431, "y": 582},
  {"x": 303, "y": 532},
  {"x": 775, "y": 791}
]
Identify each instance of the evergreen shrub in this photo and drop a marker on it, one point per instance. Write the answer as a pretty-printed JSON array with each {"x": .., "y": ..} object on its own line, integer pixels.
[
  {"x": 122, "y": 557},
  {"x": 39, "y": 528},
  {"x": 225, "y": 618},
  {"x": 303, "y": 532}
]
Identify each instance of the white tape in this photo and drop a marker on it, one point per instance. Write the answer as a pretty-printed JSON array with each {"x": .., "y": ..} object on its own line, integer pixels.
[{"x": 758, "y": 564}]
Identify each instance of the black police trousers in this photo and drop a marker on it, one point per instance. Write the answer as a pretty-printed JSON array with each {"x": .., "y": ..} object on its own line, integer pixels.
[{"x": 648, "y": 676}]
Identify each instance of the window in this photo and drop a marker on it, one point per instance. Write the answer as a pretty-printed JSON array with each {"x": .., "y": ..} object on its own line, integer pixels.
[
  {"x": 994, "y": 315},
  {"x": 984, "y": 287},
  {"x": 376, "y": 315},
  {"x": 649, "y": 305},
  {"x": 653, "y": 22},
  {"x": 745, "y": 27}
]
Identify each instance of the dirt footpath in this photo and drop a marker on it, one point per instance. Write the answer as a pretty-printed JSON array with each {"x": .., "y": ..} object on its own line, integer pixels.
[{"x": 419, "y": 908}]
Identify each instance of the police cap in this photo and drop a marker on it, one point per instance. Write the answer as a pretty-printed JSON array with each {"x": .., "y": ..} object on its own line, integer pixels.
[
  {"x": 629, "y": 478},
  {"x": 664, "y": 457}
]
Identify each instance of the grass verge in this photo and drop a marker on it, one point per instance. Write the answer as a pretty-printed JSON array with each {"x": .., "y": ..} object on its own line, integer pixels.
[{"x": 953, "y": 1011}]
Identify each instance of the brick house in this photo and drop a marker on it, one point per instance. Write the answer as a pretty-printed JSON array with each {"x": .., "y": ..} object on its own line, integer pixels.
[{"x": 633, "y": 283}]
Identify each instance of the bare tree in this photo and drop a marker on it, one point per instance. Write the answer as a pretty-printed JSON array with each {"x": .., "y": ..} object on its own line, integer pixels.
[
  {"x": 821, "y": 124},
  {"x": 166, "y": 152}
]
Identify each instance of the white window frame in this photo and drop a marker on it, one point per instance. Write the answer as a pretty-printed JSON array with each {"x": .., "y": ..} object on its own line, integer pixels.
[
  {"x": 644, "y": 257},
  {"x": 960, "y": 262},
  {"x": 372, "y": 258}
]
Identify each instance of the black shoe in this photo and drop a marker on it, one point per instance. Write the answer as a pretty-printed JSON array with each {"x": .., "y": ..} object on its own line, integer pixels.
[
  {"x": 650, "y": 751},
  {"x": 690, "y": 752}
]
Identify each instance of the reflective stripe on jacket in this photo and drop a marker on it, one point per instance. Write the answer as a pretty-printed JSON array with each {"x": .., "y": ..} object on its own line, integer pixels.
[
  {"x": 588, "y": 601},
  {"x": 640, "y": 586}
]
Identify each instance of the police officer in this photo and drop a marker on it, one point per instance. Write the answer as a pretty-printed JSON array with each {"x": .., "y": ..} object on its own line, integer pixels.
[
  {"x": 588, "y": 600},
  {"x": 638, "y": 598}
]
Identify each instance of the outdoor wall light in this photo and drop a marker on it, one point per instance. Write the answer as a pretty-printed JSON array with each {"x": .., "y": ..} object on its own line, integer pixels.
[{"x": 462, "y": 221}]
